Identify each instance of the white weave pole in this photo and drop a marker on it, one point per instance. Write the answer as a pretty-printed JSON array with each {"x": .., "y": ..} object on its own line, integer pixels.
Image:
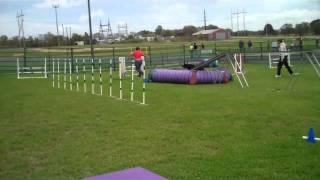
[
  {"x": 18, "y": 69},
  {"x": 120, "y": 82},
  {"x": 45, "y": 68},
  {"x": 132, "y": 87},
  {"x": 77, "y": 71},
  {"x": 70, "y": 75},
  {"x": 92, "y": 77},
  {"x": 53, "y": 72},
  {"x": 84, "y": 75},
  {"x": 100, "y": 74},
  {"x": 144, "y": 85},
  {"x": 65, "y": 74},
  {"x": 110, "y": 78},
  {"x": 58, "y": 63}
]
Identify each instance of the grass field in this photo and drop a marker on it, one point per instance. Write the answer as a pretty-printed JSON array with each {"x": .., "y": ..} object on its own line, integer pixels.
[{"x": 186, "y": 132}]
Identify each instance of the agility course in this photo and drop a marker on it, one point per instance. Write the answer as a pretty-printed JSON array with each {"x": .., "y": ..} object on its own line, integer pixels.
[{"x": 186, "y": 131}]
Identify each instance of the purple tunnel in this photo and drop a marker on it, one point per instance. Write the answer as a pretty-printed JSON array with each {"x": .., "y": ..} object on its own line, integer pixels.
[{"x": 182, "y": 76}]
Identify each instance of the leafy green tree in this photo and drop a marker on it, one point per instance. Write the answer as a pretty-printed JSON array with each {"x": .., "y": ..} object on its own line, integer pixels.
[
  {"x": 188, "y": 31},
  {"x": 159, "y": 30},
  {"x": 315, "y": 26},
  {"x": 287, "y": 29},
  {"x": 268, "y": 29},
  {"x": 303, "y": 28}
]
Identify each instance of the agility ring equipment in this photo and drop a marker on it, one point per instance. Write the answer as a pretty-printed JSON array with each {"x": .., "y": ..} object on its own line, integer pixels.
[
  {"x": 122, "y": 75},
  {"x": 274, "y": 59},
  {"x": 72, "y": 79},
  {"x": 238, "y": 63},
  {"x": 314, "y": 62},
  {"x": 32, "y": 70}
]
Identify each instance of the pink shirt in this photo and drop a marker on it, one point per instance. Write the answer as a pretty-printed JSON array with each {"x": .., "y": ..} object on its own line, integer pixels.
[{"x": 137, "y": 54}]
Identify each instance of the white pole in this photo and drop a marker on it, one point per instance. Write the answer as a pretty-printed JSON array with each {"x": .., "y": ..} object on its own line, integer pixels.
[
  {"x": 84, "y": 76},
  {"x": 110, "y": 78},
  {"x": 270, "y": 61},
  {"x": 132, "y": 66},
  {"x": 70, "y": 75},
  {"x": 100, "y": 77},
  {"x": 58, "y": 72},
  {"x": 289, "y": 59},
  {"x": 53, "y": 72},
  {"x": 120, "y": 82},
  {"x": 18, "y": 69},
  {"x": 144, "y": 85},
  {"x": 77, "y": 71},
  {"x": 92, "y": 78},
  {"x": 45, "y": 68},
  {"x": 65, "y": 74}
]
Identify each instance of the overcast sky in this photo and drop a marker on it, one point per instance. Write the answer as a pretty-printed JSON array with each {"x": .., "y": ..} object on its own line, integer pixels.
[{"x": 147, "y": 14}]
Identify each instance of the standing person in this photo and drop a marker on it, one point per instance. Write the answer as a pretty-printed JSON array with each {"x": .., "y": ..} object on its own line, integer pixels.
[
  {"x": 137, "y": 54},
  {"x": 202, "y": 46},
  {"x": 241, "y": 45},
  {"x": 283, "y": 59},
  {"x": 249, "y": 44}
]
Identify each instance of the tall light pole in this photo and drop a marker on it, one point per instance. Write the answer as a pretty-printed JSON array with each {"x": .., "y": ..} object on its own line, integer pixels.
[
  {"x": 89, "y": 12},
  {"x": 55, "y": 6}
]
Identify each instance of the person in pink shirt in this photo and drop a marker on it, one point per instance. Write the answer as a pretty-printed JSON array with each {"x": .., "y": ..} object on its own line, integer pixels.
[{"x": 137, "y": 54}]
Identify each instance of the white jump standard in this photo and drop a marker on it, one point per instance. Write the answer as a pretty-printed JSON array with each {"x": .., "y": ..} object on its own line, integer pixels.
[{"x": 32, "y": 70}]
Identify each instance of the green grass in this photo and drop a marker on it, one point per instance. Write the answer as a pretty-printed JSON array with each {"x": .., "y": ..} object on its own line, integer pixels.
[{"x": 186, "y": 132}]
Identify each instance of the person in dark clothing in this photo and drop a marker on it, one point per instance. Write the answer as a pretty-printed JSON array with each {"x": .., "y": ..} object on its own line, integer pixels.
[
  {"x": 249, "y": 44},
  {"x": 283, "y": 60},
  {"x": 241, "y": 45}
]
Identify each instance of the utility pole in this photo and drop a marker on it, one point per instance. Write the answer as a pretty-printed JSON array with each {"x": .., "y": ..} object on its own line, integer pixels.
[
  {"x": 62, "y": 34},
  {"x": 244, "y": 22},
  {"x": 56, "y": 6},
  {"x": 204, "y": 19},
  {"x": 89, "y": 12},
  {"x": 238, "y": 14},
  {"x": 21, "y": 28}
]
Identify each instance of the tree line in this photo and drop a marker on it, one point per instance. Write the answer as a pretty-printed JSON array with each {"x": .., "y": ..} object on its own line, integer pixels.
[{"x": 49, "y": 39}]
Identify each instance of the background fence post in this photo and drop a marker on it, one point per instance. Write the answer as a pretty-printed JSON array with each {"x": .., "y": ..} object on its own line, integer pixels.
[
  {"x": 261, "y": 50},
  {"x": 72, "y": 64},
  {"x": 113, "y": 58},
  {"x": 184, "y": 54},
  {"x": 150, "y": 59},
  {"x": 25, "y": 56}
]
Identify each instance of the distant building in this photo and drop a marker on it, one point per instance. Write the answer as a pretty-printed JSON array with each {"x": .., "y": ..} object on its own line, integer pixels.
[
  {"x": 214, "y": 34},
  {"x": 79, "y": 43}
]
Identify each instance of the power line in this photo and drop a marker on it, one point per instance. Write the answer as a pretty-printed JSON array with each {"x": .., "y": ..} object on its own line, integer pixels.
[
  {"x": 56, "y": 6},
  {"x": 20, "y": 20},
  {"x": 237, "y": 14},
  {"x": 205, "y": 19}
]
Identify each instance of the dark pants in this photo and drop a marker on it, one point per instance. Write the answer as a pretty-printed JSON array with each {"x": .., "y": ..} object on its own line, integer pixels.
[
  {"x": 284, "y": 62},
  {"x": 138, "y": 67}
]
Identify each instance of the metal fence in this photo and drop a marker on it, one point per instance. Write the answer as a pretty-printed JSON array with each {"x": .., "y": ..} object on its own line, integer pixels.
[{"x": 160, "y": 55}]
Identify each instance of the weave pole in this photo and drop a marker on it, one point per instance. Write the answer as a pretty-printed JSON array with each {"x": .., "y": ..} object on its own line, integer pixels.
[
  {"x": 77, "y": 71},
  {"x": 58, "y": 63},
  {"x": 100, "y": 74},
  {"x": 132, "y": 69},
  {"x": 53, "y": 72},
  {"x": 144, "y": 84},
  {"x": 70, "y": 75},
  {"x": 45, "y": 68},
  {"x": 120, "y": 82},
  {"x": 92, "y": 77},
  {"x": 18, "y": 69},
  {"x": 110, "y": 78},
  {"x": 84, "y": 76},
  {"x": 65, "y": 74}
]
